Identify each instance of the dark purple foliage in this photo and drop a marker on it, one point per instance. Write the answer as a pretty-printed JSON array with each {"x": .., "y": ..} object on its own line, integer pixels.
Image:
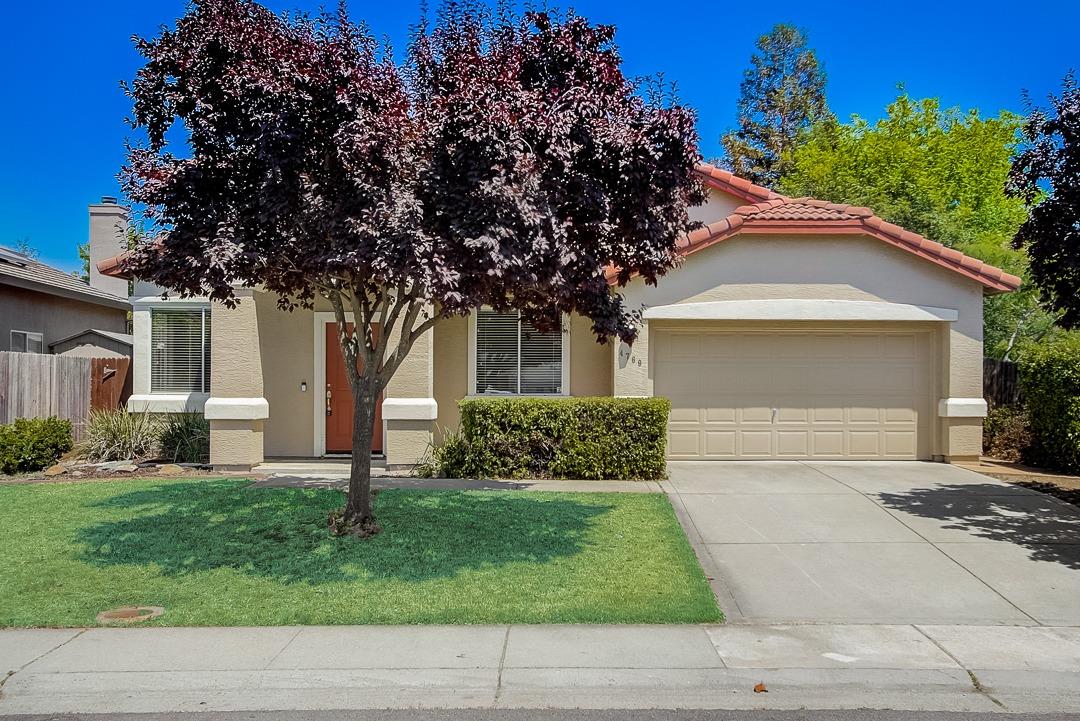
[
  {"x": 1047, "y": 175},
  {"x": 508, "y": 162}
]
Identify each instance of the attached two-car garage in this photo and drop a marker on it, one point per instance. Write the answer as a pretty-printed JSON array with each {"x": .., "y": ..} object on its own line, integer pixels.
[
  {"x": 798, "y": 328},
  {"x": 794, "y": 393}
]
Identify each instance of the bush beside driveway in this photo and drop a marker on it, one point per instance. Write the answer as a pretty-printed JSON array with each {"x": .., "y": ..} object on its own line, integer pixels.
[{"x": 219, "y": 552}]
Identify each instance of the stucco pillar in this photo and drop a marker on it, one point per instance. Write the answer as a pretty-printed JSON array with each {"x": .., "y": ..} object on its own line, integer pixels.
[
  {"x": 961, "y": 408},
  {"x": 632, "y": 375},
  {"x": 236, "y": 408},
  {"x": 409, "y": 408}
]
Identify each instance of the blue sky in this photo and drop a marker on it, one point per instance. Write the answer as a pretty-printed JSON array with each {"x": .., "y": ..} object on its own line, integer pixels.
[{"x": 62, "y": 125}]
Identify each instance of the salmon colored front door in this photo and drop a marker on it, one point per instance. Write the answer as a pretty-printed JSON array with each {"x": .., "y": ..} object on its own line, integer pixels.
[{"x": 339, "y": 404}]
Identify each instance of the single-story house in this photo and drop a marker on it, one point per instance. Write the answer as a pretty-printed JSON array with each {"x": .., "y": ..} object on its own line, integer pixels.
[
  {"x": 41, "y": 305},
  {"x": 793, "y": 328}
]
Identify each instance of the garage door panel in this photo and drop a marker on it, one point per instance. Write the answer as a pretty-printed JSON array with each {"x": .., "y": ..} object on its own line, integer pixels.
[
  {"x": 721, "y": 444},
  {"x": 795, "y": 394},
  {"x": 755, "y": 414},
  {"x": 864, "y": 346},
  {"x": 830, "y": 412},
  {"x": 756, "y": 444},
  {"x": 899, "y": 444},
  {"x": 684, "y": 444},
  {"x": 792, "y": 414},
  {"x": 900, "y": 415},
  {"x": 827, "y": 443},
  {"x": 721, "y": 346},
  {"x": 864, "y": 443},
  {"x": 721, "y": 415},
  {"x": 793, "y": 444}
]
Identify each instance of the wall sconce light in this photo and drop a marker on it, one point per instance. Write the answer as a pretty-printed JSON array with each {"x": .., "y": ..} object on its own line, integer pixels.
[{"x": 303, "y": 386}]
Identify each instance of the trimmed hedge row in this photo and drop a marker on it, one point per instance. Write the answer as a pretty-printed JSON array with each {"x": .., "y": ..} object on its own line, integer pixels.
[
  {"x": 587, "y": 438},
  {"x": 30, "y": 444},
  {"x": 1050, "y": 377}
]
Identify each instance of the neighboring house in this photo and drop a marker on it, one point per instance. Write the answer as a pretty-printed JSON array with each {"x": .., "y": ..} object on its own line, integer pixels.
[
  {"x": 793, "y": 328},
  {"x": 41, "y": 306}
]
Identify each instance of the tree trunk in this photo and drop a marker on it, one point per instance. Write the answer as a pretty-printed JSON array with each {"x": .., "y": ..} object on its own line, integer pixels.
[{"x": 358, "y": 518}]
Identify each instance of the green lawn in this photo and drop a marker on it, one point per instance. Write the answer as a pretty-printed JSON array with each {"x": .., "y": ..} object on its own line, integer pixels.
[{"x": 216, "y": 552}]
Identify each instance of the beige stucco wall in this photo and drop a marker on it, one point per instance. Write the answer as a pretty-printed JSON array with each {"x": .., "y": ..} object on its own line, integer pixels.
[
  {"x": 52, "y": 316},
  {"x": 286, "y": 345},
  {"x": 236, "y": 372},
  {"x": 835, "y": 268},
  {"x": 450, "y": 369}
]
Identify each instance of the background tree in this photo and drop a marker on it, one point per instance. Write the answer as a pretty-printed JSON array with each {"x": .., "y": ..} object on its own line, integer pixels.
[
  {"x": 782, "y": 93},
  {"x": 25, "y": 247},
  {"x": 507, "y": 163},
  {"x": 83, "y": 273},
  {"x": 937, "y": 172},
  {"x": 1046, "y": 176}
]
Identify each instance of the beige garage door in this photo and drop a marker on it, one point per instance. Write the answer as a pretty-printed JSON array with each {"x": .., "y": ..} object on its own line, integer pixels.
[{"x": 795, "y": 394}]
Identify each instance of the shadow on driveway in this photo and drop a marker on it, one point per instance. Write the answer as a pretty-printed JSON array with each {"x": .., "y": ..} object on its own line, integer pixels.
[{"x": 1048, "y": 528}]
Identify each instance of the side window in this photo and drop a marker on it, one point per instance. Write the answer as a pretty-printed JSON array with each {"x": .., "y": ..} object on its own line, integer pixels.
[{"x": 23, "y": 341}]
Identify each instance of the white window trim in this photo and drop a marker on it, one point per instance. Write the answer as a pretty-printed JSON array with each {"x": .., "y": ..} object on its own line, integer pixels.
[
  {"x": 202, "y": 395},
  {"x": 29, "y": 334},
  {"x": 564, "y": 381}
]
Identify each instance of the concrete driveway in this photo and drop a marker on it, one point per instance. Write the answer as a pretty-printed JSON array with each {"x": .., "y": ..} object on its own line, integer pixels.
[{"x": 879, "y": 542}]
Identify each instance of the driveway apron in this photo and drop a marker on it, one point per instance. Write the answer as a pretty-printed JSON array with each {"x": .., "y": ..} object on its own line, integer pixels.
[{"x": 878, "y": 543}]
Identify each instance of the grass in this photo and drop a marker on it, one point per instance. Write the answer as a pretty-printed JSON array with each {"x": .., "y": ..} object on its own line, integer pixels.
[{"x": 218, "y": 552}]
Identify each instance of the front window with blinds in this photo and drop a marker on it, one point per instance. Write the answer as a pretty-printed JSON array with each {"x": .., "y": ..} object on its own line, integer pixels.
[
  {"x": 179, "y": 351},
  {"x": 513, "y": 358}
]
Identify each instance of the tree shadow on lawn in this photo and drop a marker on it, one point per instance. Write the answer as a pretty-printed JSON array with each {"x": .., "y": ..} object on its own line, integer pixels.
[
  {"x": 1047, "y": 527},
  {"x": 281, "y": 534}
]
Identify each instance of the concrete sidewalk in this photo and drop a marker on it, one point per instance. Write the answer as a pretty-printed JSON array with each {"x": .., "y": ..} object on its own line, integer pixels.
[{"x": 905, "y": 667}]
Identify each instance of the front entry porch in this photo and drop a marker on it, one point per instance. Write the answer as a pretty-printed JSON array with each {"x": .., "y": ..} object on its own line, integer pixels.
[{"x": 278, "y": 391}]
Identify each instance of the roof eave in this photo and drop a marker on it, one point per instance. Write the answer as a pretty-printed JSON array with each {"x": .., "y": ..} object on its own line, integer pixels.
[{"x": 70, "y": 294}]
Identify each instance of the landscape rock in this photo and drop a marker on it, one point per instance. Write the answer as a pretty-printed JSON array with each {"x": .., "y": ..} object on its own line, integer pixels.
[
  {"x": 57, "y": 470},
  {"x": 128, "y": 468},
  {"x": 78, "y": 474},
  {"x": 170, "y": 469}
]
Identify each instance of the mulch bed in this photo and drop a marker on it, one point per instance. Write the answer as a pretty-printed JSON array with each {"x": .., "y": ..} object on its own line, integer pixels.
[{"x": 1064, "y": 488}]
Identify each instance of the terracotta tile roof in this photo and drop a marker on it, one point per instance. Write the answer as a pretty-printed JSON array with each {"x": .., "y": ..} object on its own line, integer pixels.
[
  {"x": 733, "y": 184},
  {"x": 771, "y": 213},
  {"x": 774, "y": 214}
]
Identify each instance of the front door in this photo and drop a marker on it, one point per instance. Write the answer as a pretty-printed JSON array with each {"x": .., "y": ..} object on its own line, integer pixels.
[{"x": 339, "y": 403}]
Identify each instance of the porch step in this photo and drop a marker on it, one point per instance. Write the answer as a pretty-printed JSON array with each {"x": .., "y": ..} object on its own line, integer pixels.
[{"x": 314, "y": 467}]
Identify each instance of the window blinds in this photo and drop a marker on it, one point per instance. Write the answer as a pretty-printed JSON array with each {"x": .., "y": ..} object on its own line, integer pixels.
[
  {"x": 179, "y": 351},
  {"x": 512, "y": 357}
]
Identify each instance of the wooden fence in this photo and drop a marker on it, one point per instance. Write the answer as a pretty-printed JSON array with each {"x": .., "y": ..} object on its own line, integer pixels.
[
  {"x": 34, "y": 385},
  {"x": 1001, "y": 382}
]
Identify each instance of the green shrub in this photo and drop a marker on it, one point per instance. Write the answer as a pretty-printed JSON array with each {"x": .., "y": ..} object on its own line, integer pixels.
[
  {"x": 30, "y": 444},
  {"x": 1050, "y": 379},
  {"x": 116, "y": 435},
  {"x": 449, "y": 459},
  {"x": 1006, "y": 433},
  {"x": 586, "y": 438},
  {"x": 185, "y": 438}
]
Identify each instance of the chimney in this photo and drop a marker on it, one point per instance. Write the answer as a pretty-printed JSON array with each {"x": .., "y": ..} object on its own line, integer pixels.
[{"x": 108, "y": 238}]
